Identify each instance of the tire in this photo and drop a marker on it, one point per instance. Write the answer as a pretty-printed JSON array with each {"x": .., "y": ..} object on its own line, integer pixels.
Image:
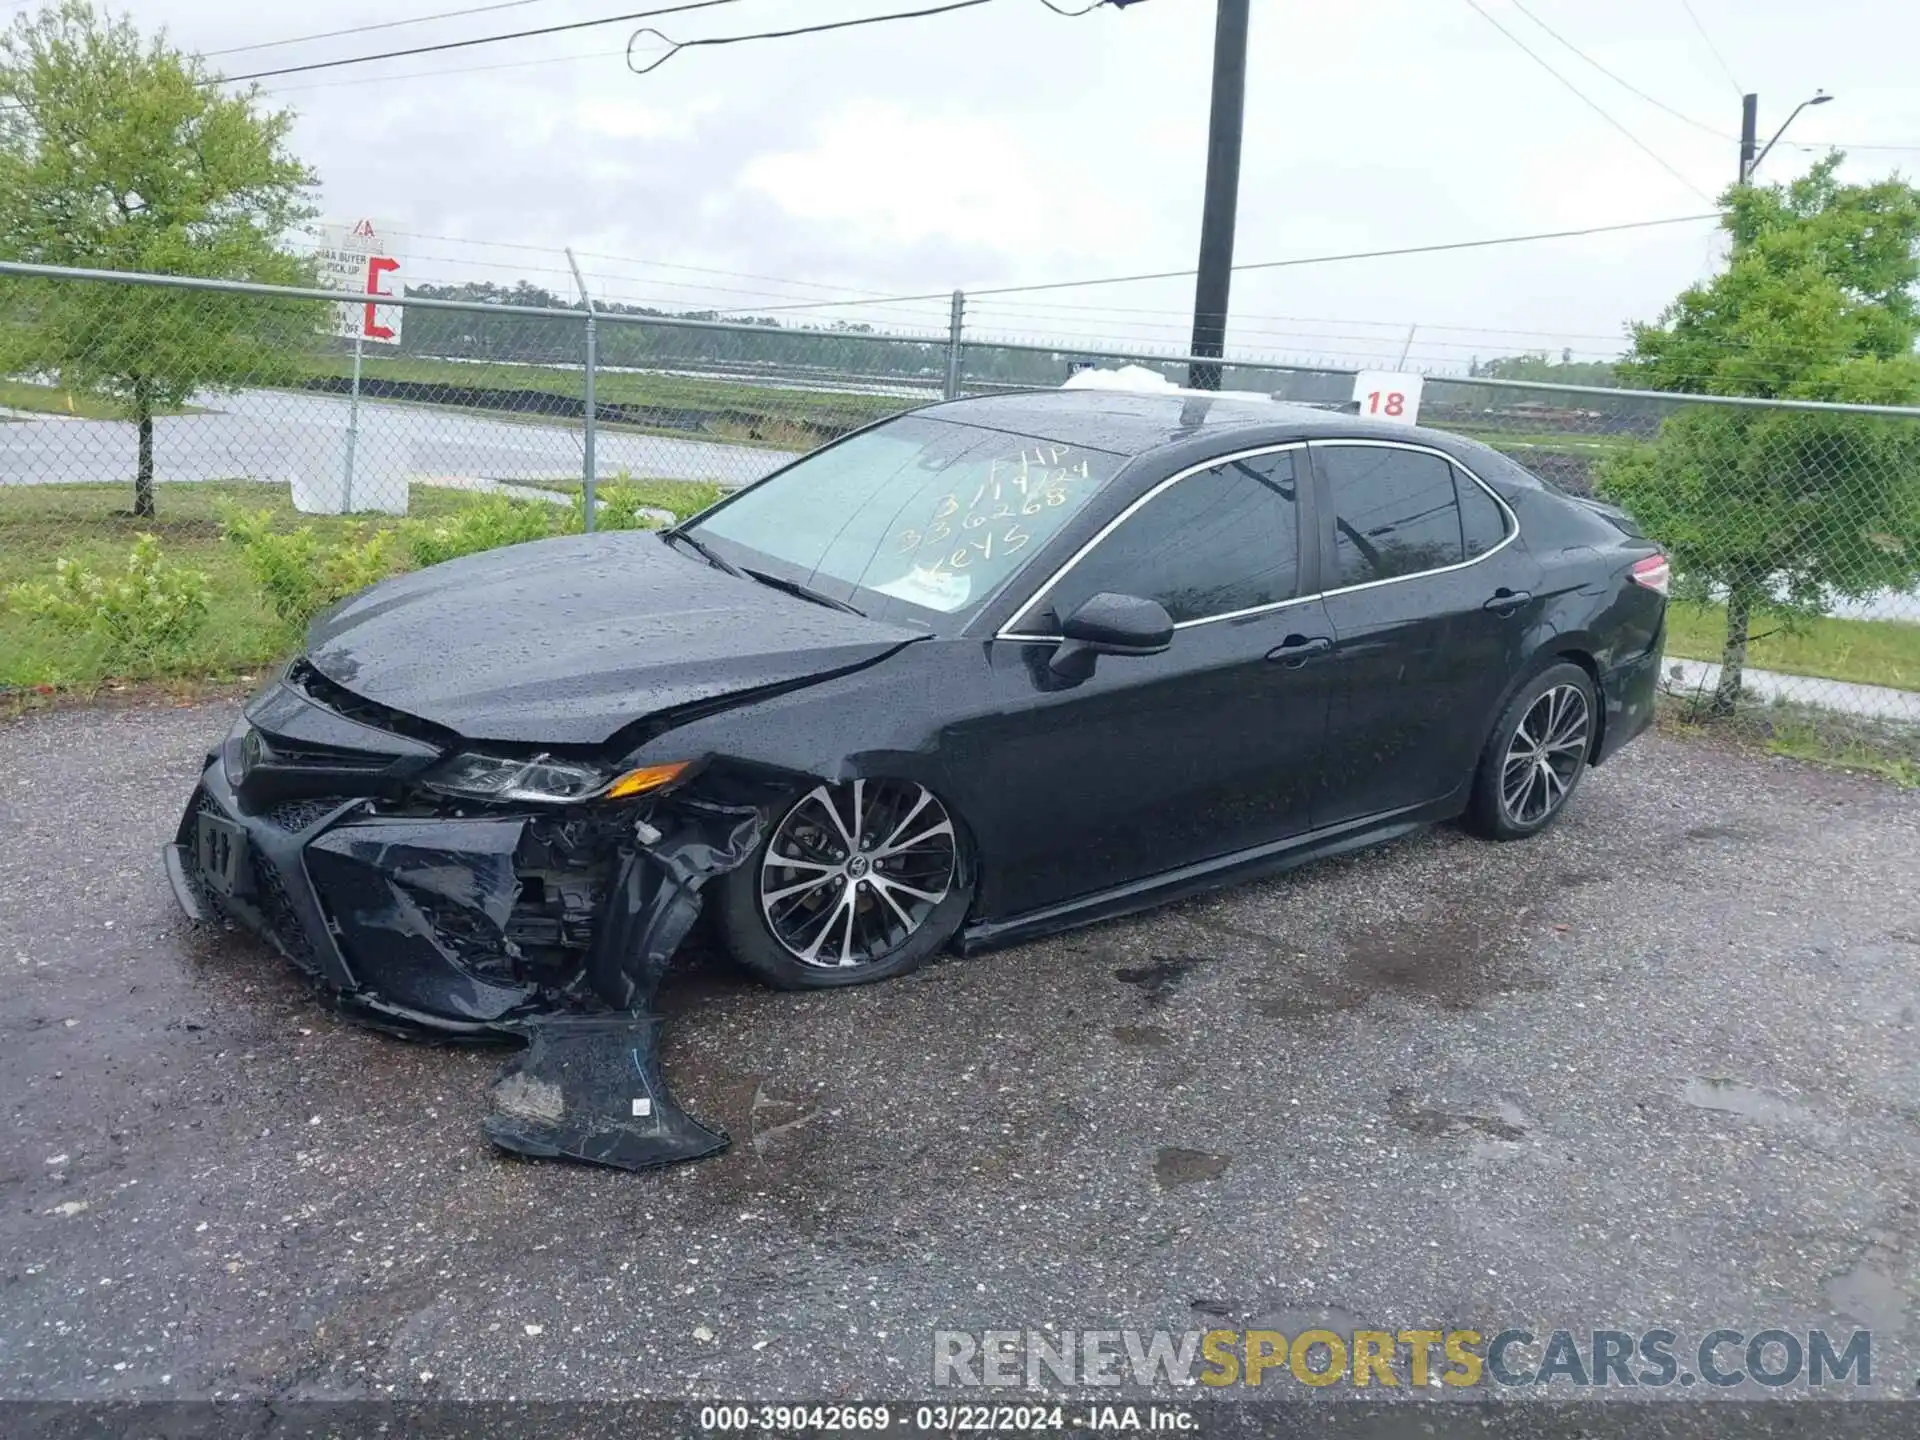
[
  {"x": 1558, "y": 711},
  {"x": 880, "y": 881}
]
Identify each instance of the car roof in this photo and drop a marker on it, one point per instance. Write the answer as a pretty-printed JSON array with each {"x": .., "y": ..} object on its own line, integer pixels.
[{"x": 1128, "y": 423}]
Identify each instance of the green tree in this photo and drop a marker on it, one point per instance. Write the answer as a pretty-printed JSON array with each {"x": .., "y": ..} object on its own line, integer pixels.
[
  {"x": 1782, "y": 511},
  {"x": 120, "y": 153}
]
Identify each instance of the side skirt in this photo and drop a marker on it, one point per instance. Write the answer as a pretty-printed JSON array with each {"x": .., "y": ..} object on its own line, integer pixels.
[{"x": 1205, "y": 875}]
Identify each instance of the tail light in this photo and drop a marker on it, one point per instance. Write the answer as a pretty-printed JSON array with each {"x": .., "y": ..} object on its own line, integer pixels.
[{"x": 1653, "y": 573}]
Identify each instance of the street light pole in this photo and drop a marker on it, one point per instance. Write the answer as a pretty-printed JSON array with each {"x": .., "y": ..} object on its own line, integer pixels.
[
  {"x": 1211, "y": 289},
  {"x": 1749, "y": 116}
]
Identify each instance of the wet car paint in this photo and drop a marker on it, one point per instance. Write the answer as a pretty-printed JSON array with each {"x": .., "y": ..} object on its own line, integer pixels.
[
  {"x": 564, "y": 642},
  {"x": 1150, "y": 778}
]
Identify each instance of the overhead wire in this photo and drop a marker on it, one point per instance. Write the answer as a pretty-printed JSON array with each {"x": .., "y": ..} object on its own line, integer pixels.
[
  {"x": 1620, "y": 80},
  {"x": 1713, "y": 49},
  {"x": 472, "y": 41},
  {"x": 388, "y": 79},
  {"x": 1442, "y": 247},
  {"x": 676, "y": 46},
  {"x": 1587, "y": 100},
  {"x": 368, "y": 29}
]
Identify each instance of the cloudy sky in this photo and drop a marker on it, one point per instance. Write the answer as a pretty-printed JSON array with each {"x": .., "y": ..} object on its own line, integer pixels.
[{"x": 1006, "y": 145}]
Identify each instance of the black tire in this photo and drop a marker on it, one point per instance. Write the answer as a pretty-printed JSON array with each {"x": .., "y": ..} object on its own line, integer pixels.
[
  {"x": 1493, "y": 812},
  {"x": 749, "y": 934}
]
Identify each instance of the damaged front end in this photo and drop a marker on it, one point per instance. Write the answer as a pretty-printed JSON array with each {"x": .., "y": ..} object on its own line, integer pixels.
[{"x": 318, "y": 825}]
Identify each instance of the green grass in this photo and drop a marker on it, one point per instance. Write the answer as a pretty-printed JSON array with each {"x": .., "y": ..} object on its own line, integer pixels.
[
  {"x": 52, "y": 400},
  {"x": 1863, "y": 744},
  {"x": 40, "y": 524},
  {"x": 1871, "y": 652},
  {"x": 1557, "y": 442},
  {"x": 682, "y": 497},
  {"x": 728, "y": 409}
]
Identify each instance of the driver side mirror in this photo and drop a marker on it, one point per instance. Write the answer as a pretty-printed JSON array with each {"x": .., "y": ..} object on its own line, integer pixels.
[{"x": 1110, "y": 624}]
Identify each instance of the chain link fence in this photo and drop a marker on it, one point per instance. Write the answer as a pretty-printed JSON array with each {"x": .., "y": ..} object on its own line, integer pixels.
[{"x": 275, "y": 469}]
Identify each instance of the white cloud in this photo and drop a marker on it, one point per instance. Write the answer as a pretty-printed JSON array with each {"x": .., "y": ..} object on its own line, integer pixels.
[{"x": 1006, "y": 145}]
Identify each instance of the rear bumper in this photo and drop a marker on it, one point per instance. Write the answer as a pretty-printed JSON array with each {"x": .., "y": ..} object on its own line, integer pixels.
[{"x": 1626, "y": 697}]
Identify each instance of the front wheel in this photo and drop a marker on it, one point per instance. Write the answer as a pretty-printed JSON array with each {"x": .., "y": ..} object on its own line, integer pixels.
[
  {"x": 854, "y": 882},
  {"x": 1535, "y": 757}
]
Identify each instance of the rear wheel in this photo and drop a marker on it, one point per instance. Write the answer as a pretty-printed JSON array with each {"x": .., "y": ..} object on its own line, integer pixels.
[
  {"x": 1535, "y": 757},
  {"x": 854, "y": 882}
]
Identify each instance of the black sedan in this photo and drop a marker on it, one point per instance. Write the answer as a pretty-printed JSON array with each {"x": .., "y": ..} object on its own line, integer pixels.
[{"x": 976, "y": 673}]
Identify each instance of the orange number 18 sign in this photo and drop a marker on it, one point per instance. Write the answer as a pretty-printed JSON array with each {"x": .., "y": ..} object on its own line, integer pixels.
[{"x": 1387, "y": 395}]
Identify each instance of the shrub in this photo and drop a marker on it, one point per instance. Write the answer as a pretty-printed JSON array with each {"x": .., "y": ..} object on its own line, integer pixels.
[
  {"x": 150, "y": 610},
  {"x": 487, "y": 524},
  {"x": 301, "y": 572},
  {"x": 617, "y": 506}
]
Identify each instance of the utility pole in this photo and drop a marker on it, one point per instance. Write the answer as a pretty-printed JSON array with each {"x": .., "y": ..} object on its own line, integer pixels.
[
  {"x": 1211, "y": 289},
  {"x": 1749, "y": 134}
]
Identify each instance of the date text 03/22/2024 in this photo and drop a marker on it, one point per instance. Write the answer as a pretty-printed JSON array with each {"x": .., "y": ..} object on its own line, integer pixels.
[{"x": 947, "y": 1419}]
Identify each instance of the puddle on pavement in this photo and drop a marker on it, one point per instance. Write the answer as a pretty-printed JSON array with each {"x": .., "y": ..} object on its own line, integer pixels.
[
  {"x": 1161, "y": 976},
  {"x": 1734, "y": 1097},
  {"x": 1868, "y": 1295},
  {"x": 1313, "y": 998},
  {"x": 1173, "y": 1166},
  {"x": 1577, "y": 879},
  {"x": 1155, "y": 1037},
  {"x": 1454, "y": 963},
  {"x": 1498, "y": 1119}
]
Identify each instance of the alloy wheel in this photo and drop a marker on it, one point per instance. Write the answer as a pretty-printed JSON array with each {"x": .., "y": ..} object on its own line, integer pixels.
[
  {"x": 1545, "y": 755},
  {"x": 854, "y": 870}
]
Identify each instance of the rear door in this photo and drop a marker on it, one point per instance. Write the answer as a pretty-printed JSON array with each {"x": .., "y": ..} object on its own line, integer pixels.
[
  {"x": 1428, "y": 597},
  {"x": 1163, "y": 760}
]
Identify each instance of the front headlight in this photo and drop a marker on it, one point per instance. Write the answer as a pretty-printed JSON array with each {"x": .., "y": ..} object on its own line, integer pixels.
[
  {"x": 542, "y": 779},
  {"x": 243, "y": 750}
]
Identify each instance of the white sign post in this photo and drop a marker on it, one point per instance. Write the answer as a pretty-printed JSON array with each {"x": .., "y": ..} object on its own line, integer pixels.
[
  {"x": 360, "y": 259},
  {"x": 1388, "y": 395}
]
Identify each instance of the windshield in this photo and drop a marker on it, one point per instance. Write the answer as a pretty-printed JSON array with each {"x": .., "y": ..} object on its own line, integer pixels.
[{"x": 928, "y": 513}]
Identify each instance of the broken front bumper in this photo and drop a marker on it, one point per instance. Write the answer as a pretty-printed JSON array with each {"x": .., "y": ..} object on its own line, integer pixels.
[{"x": 549, "y": 925}]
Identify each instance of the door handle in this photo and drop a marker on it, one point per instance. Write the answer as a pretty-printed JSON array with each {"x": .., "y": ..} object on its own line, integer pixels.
[
  {"x": 1297, "y": 650},
  {"x": 1505, "y": 601}
]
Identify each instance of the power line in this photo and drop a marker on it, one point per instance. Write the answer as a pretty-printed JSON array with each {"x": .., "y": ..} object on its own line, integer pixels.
[
  {"x": 674, "y": 47},
  {"x": 1586, "y": 100},
  {"x": 1285, "y": 264},
  {"x": 390, "y": 78},
  {"x": 365, "y": 29},
  {"x": 477, "y": 40},
  {"x": 1713, "y": 49},
  {"x": 1842, "y": 145},
  {"x": 1618, "y": 80}
]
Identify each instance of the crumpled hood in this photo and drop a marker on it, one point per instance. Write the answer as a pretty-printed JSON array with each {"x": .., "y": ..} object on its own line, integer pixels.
[{"x": 563, "y": 642}]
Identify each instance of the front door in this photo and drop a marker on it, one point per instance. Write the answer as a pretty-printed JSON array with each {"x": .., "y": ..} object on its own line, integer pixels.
[{"x": 1161, "y": 761}]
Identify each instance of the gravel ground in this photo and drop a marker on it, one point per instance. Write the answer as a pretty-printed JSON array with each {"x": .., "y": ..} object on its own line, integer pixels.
[{"x": 1657, "y": 1067}]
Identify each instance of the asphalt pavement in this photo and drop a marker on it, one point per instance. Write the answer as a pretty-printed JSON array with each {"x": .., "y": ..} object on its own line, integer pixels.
[{"x": 1657, "y": 1067}]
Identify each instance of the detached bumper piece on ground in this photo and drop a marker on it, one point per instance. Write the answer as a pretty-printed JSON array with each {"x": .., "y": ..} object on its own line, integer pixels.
[{"x": 423, "y": 914}]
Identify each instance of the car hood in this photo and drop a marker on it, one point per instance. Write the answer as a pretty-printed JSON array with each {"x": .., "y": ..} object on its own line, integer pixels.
[{"x": 564, "y": 642}]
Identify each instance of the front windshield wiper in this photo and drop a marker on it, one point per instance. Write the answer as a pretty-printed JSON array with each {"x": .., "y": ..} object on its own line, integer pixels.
[
  {"x": 805, "y": 592},
  {"x": 707, "y": 553}
]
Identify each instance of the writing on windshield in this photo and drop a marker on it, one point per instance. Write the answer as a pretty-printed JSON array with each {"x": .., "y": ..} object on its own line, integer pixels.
[
  {"x": 929, "y": 512},
  {"x": 1002, "y": 514}
]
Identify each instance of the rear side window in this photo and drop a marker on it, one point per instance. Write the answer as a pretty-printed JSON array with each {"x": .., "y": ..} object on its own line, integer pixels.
[
  {"x": 1395, "y": 512},
  {"x": 1221, "y": 540},
  {"x": 1483, "y": 524}
]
